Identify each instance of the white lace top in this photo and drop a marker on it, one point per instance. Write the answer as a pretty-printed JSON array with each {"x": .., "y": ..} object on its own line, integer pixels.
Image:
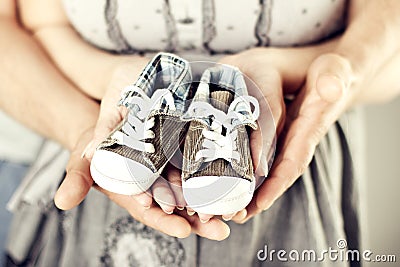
[{"x": 210, "y": 26}]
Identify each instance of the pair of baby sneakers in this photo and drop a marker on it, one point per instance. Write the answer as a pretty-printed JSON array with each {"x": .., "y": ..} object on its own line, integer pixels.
[{"x": 217, "y": 169}]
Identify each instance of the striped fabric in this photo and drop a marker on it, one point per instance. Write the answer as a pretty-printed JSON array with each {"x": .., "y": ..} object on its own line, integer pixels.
[
  {"x": 219, "y": 86},
  {"x": 191, "y": 167}
]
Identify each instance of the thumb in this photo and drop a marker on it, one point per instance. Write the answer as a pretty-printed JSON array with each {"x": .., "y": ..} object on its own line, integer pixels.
[
  {"x": 108, "y": 119},
  {"x": 317, "y": 106},
  {"x": 77, "y": 181},
  {"x": 326, "y": 94},
  {"x": 76, "y": 184},
  {"x": 332, "y": 76}
]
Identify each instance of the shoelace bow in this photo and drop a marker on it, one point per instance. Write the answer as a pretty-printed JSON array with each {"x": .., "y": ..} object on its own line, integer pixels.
[
  {"x": 137, "y": 128},
  {"x": 215, "y": 144}
]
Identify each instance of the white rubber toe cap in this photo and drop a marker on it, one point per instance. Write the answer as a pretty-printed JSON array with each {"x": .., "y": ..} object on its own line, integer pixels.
[
  {"x": 218, "y": 195},
  {"x": 120, "y": 175}
]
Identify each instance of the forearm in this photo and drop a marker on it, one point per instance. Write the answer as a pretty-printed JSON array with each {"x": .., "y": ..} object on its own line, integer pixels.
[
  {"x": 370, "y": 43},
  {"x": 88, "y": 67},
  {"x": 35, "y": 93}
]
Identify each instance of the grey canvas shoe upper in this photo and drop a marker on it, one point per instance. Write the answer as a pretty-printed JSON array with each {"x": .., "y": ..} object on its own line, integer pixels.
[
  {"x": 217, "y": 154},
  {"x": 135, "y": 153}
]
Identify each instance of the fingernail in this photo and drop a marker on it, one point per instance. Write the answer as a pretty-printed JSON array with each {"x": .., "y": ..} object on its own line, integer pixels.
[
  {"x": 147, "y": 207},
  {"x": 180, "y": 207},
  {"x": 84, "y": 153},
  {"x": 266, "y": 208},
  {"x": 190, "y": 212},
  {"x": 227, "y": 218},
  {"x": 204, "y": 221},
  {"x": 168, "y": 211},
  {"x": 268, "y": 205},
  {"x": 86, "y": 149}
]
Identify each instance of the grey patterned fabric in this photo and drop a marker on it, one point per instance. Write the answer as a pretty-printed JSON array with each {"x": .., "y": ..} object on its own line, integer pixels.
[{"x": 11, "y": 175}]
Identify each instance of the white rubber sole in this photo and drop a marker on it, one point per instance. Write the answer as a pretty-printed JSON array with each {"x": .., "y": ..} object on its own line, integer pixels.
[
  {"x": 120, "y": 175},
  {"x": 218, "y": 195}
]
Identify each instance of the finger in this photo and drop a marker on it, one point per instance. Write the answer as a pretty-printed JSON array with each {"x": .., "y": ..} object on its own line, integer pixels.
[
  {"x": 179, "y": 225},
  {"x": 204, "y": 218},
  {"x": 78, "y": 180},
  {"x": 262, "y": 160},
  {"x": 110, "y": 113},
  {"x": 257, "y": 148},
  {"x": 145, "y": 199},
  {"x": 154, "y": 217},
  {"x": 175, "y": 183},
  {"x": 328, "y": 81},
  {"x": 108, "y": 119},
  {"x": 268, "y": 92},
  {"x": 170, "y": 224},
  {"x": 228, "y": 217},
  {"x": 240, "y": 216},
  {"x": 190, "y": 211},
  {"x": 214, "y": 229},
  {"x": 333, "y": 77},
  {"x": 314, "y": 110},
  {"x": 251, "y": 210},
  {"x": 76, "y": 184},
  {"x": 110, "y": 116},
  {"x": 163, "y": 195}
]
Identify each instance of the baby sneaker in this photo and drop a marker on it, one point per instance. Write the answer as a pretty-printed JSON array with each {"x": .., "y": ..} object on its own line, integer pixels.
[
  {"x": 217, "y": 172},
  {"x": 135, "y": 153}
]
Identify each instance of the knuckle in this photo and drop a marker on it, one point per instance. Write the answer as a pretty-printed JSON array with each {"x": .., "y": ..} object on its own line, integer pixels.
[{"x": 338, "y": 64}]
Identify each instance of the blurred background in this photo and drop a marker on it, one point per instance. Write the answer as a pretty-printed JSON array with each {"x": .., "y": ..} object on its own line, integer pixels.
[{"x": 383, "y": 179}]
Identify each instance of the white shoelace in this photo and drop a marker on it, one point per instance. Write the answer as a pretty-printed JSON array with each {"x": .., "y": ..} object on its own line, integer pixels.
[
  {"x": 137, "y": 128},
  {"x": 215, "y": 144}
]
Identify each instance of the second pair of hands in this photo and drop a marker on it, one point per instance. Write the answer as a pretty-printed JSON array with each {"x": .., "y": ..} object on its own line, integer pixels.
[{"x": 318, "y": 80}]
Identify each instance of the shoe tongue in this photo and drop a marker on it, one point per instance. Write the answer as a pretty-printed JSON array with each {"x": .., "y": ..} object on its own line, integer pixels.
[{"x": 221, "y": 100}]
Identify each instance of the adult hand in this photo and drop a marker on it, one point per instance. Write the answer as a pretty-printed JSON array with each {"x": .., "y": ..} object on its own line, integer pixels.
[
  {"x": 78, "y": 180},
  {"x": 299, "y": 126},
  {"x": 362, "y": 62},
  {"x": 111, "y": 115},
  {"x": 318, "y": 104}
]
